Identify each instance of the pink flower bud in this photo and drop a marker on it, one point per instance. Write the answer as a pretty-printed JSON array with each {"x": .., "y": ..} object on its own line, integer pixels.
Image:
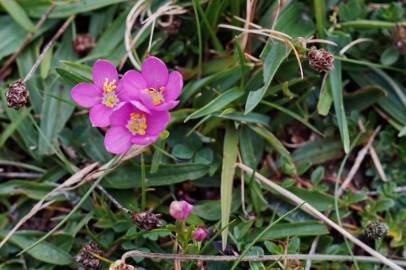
[
  {"x": 199, "y": 234},
  {"x": 180, "y": 210}
]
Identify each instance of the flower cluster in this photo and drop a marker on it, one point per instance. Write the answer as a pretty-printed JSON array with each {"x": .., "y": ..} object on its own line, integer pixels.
[{"x": 135, "y": 107}]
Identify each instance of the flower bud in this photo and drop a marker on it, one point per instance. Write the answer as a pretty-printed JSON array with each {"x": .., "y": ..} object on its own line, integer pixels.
[
  {"x": 199, "y": 234},
  {"x": 180, "y": 210}
]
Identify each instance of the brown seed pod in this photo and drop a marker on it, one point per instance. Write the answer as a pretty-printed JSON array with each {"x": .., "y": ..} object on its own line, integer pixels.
[
  {"x": 320, "y": 59},
  {"x": 17, "y": 95},
  {"x": 376, "y": 230},
  {"x": 399, "y": 38},
  {"x": 86, "y": 259},
  {"x": 83, "y": 43},
  {"x": 146, "y": 220}
]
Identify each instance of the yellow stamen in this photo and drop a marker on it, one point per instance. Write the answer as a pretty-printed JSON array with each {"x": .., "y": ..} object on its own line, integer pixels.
[
  {"x": 137, "y": 123},
  {"x": 156, "y": 95},
  {"x": 109, "y": 87},
  {"x": 110, "y": 99}
]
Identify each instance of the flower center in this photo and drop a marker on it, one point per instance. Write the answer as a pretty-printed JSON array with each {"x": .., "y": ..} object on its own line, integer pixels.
[
  {"x": 110, "y": 99},
  {"x": 109, "y": 87},
  {"x": 137, "y": 123},
  {"x": 156, "y": 95}
]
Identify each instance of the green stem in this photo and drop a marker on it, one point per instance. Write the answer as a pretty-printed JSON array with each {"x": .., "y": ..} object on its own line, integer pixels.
[
  {"x": 370, "y": 24},
  {"x": 319, "y": 13},
  {"x": 143, "y": 192},
  {"x": 199, "y": 35}
]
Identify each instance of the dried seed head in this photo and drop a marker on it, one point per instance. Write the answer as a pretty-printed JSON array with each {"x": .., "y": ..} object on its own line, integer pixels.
[
  {"x": 17, "y": 95},
  {"x": 320, "y": 59},
  {"x": 146, "y": 220},
  {"x": 121, "y": 265},
  {"x": 376, "y": 230},
  {"x": 399, "y": 38},
  {"x": 83, "y": 43},
  {"x": 86, "y": 259}
]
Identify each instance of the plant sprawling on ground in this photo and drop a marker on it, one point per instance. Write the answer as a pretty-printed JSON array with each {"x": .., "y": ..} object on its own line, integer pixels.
[{"x": 137, "y": 132}]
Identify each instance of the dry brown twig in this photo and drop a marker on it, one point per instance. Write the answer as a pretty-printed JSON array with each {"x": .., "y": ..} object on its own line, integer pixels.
[
  {"x": 360, "y": 157},
  {"x": 317, "y": 214},
  {"x": 315, "y": 257}
]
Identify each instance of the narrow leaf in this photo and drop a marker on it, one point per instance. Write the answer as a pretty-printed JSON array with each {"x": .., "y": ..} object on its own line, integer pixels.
[
  {"x": 18, "y": 14},
  {"x": 217, "y": 104},
  {"x": 227, "y": 177},
  {"x": 335, "y": 81}
]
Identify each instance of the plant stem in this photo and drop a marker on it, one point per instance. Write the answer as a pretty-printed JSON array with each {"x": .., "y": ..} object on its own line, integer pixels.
[
  {"x": 259, "y": 258},
  {"x": 143, "y": 192},
  {"x": 370, "y": 24}
]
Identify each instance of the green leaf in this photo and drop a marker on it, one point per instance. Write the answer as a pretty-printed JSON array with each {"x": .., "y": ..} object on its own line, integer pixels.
[
  {"x": 44, "y": 251},
  {"x": 11, "y": 36},
  {"x": 217, "y": 104},
  {"x": 30, "y": 189},
  {"x": 390, "y": 56},
  {"x": 227, "y": 177},
  {"x": 45, "y": 65},
  {"x": 276, "y": 144},
  {"x": 211, "y": 210},
  {"x": 363, "y": 98},
  {"x": 335, "y": 80},
  {"x": 71, "y": 8},
  {"x": 255, "y": 118},
  {"x": 14, "y": 125},
  {"x": 277, "y": 52},
  {"x": 297, "y": 229},
  {"x": 293, "y": 115},
  {"x": 325, "y": 100},
  {"x": 55, "y": 113},
  {"x": 129, "y": 175},
  {"x": 318, "y": 152},
  {"x": 18, "y": 14}
]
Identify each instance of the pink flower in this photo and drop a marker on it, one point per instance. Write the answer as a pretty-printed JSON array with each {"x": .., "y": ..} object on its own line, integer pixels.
[
  {"x": 103, "y": 95},
  {"x": 132, "y": 123},
  {"x": 180, "y": 210},
  {"x": 155, "y": 87},
  {"x": 199, "y": 234}
]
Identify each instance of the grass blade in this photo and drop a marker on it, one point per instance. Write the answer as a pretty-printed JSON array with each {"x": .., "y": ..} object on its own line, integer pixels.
[
  {"x": 227, "y": 177},
  {"x": 18, "y": 14},
  {"x": 335, "y": 81}
]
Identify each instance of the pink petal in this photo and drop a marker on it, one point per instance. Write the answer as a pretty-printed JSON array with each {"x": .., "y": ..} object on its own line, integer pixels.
[
  {"x": 140, "y": 106},
  {"x": 86, "y": 94},
  {"x": 143, "y": 140},
  {"x": 120, "y": 116},
  {"x": 132, "y": 83},
  {"x": 100, "y": 115},
  {"x": 103, "y": 69},
  {"x": 157, "y": 122},
  {"x": 117, "y": 140},
  {"x": 174, "y": 86},
  {"x": 154, "y": 72}
]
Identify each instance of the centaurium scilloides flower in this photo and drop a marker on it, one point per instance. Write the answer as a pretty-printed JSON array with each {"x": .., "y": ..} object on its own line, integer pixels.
[
  {"x": 103, "y": 95},
  {"x": 131, "y": 124},
  {"x": 155, "y": 87},
  {"x": 136, "y": 107}
]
